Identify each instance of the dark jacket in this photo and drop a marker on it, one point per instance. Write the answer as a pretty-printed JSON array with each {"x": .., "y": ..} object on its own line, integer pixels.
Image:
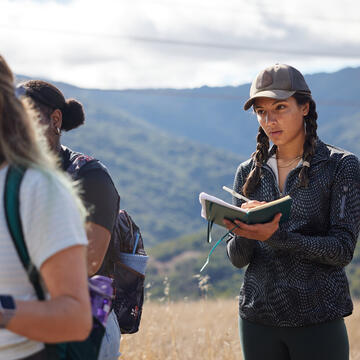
[{"x": 297, "y": 277}]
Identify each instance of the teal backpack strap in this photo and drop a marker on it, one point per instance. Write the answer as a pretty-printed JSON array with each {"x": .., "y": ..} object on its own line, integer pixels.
[
  {"x": 88, "y": 349},
  {"x": 13, "y": 180}
]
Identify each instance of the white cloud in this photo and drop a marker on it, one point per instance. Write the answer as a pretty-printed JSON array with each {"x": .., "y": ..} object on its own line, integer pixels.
[{"x": 107, "y": 44}]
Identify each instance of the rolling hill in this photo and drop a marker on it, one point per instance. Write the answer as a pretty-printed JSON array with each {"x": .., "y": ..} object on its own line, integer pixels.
[{"x": 164, "y": 146}]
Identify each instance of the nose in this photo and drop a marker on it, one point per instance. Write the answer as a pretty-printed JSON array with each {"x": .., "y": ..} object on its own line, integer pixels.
[{"x": 270, "y": 117}]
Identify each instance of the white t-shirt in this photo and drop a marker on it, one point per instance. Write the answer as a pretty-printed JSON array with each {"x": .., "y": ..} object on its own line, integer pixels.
[{"x": 51, "y": 222}]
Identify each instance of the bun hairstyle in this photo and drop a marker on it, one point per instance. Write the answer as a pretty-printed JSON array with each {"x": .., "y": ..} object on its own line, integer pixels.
[
  {"x": 73, "y": 115},
  {"x": 48, "y": 98},
  {"x": 261, "y": 155}
]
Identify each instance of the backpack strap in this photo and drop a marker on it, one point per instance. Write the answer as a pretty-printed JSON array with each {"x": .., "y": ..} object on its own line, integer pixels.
[
  {"x": 13, "y": 181},
  {"x": 79, "y": 161}
]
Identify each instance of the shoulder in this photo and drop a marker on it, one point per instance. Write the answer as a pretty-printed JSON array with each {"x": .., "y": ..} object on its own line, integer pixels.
[
  {"x": 244, "y": 168},
  {"x": 343, "y": 162},
  {"x": 40, "y": 180},
  {"x": 57, "y": 222},
  {"x": 96, "y": 173},
  {"x": 42, "y": 186},
  {"x": 341, "y": 156},
  {"x": 93, "y": 165}
]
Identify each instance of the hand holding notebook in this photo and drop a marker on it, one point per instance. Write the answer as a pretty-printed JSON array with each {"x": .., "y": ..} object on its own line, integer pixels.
[{"x": 216, "y": 210}]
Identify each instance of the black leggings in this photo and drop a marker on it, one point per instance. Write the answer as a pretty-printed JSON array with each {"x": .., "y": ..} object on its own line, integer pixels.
[{"x": 327, "y": 341}]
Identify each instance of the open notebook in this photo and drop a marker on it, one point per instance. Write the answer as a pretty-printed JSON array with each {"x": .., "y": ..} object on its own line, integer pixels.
[{"x": 215, "y": 210}]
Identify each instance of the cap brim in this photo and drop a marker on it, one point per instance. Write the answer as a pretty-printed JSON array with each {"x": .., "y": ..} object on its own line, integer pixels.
[{"x": 273, "y": 94}]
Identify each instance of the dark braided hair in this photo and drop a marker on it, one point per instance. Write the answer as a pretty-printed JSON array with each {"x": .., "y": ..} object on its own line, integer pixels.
[
  {"x": 262, "y": 148},
  {"x": 259, "y": 157},
  {"x": 48, "y": 98},
  {"x": 310, "y": 137}
]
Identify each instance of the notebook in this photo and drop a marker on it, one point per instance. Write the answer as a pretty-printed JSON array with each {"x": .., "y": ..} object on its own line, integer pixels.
[{"x": 215, "y": 210}]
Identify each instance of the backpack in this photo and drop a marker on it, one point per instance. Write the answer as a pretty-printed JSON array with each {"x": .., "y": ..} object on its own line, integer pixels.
[
  {"x": 75, "y": 350},
  {"x": 125, "y": 261}
]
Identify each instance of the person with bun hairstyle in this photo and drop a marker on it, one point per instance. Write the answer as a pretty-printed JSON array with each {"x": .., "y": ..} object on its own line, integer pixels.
[
  {"x": 52, "y": 222},
  {"x": 295, "y": 292},
  {"x": 98, "y": 193}
]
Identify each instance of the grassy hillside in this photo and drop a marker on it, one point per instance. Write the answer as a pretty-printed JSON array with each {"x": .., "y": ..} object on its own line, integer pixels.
[
  {"x": 214, "y": 116},
  {"x": 158, "y": 177},
  {"x": 165, "y": 146},
  {"x": 177, "y": 263}
]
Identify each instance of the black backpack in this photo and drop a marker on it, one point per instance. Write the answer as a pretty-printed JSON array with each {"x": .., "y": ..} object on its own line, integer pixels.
[{"x": 126, "y": 241}]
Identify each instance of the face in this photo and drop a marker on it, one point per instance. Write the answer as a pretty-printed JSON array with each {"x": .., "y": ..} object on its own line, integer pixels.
[
  {"x": 282, "y": 120},
  {"x": 51, "y": 123}
]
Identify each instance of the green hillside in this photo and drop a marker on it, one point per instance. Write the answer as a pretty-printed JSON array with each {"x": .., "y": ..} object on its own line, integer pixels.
[
  {"x": 159, "y": 177},
  {"x": 164, "y": 146}
]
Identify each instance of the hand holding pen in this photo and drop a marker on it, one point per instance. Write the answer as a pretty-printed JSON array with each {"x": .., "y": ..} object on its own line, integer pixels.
[
  {"x": 261, "y": 232},
  {"x": 248, "y": 204}
]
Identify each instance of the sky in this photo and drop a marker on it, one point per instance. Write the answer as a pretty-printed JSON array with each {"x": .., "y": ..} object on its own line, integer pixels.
[{"x": 120, "y": 44}]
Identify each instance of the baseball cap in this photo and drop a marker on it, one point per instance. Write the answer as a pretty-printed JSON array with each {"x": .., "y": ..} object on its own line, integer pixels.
[{"x": 279, "y": 81}]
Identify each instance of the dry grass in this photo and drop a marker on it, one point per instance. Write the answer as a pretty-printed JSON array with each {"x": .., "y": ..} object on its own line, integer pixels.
[{"x": 199, "y": 330}]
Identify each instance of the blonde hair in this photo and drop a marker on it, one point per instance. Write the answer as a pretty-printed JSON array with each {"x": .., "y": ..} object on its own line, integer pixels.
[{"x": 22, "y": 140}]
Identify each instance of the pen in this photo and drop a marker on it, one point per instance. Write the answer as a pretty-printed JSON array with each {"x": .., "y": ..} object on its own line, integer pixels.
[{"x": 234, "y": 193}]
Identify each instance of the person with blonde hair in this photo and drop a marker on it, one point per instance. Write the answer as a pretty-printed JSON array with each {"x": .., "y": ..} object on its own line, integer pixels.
[{"x": 52, "y": 219}]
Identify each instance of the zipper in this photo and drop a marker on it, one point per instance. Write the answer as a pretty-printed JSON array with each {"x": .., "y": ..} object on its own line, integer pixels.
[
  {"x": 268, "y": 168},
  {"x": 343, "y": 199},
  {"x": 291, "y": 172}
]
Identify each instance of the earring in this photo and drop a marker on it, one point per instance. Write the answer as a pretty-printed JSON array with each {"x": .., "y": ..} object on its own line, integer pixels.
[{"x": 58, "y": 131}]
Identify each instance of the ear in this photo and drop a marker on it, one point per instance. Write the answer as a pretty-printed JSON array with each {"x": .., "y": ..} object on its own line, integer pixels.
[
  {"x": 306, "y": 108},
  {"x": 56, "y": 118}
]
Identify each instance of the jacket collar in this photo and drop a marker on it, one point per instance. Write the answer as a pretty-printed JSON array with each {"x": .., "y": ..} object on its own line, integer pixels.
[{"x": 322, "y": 153}]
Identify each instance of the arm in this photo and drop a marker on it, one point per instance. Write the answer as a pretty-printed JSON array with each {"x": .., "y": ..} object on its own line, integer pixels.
[
  {"x": 102, "y": 200},
  {"x": 337, "y": 247},
  {"x": 99, "y": 239},
  {"x": 67, "y": 315},
  {"x": 239, "y": 249},
  {"x": 56, "y": 241}
]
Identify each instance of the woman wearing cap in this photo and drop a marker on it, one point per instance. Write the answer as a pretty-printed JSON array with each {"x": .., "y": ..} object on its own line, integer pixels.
[
  {"x": 98, "y": 191},
  {"x": 295, "y": 292}
]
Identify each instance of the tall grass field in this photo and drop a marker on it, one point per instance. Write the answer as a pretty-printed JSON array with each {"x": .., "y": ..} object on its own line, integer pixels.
[{"x": 201, "y": 330}]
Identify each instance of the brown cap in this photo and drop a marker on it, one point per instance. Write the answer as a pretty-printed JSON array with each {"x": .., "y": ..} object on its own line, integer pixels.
[{"x": 279, "y": 81}]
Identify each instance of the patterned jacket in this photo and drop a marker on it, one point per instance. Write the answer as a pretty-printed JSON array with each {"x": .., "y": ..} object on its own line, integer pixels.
[{"x": 297, "y": 277}]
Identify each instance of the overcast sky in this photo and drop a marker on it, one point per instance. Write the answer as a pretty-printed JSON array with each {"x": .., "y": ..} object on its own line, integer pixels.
[{"x": 175, "y": 43}]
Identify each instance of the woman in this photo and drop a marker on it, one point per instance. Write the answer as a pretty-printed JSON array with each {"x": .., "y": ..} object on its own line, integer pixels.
[
  {"x": 98, "y": 191},
  {"x": 295, "y": 292},
  {"x": 47, "y": 203}
]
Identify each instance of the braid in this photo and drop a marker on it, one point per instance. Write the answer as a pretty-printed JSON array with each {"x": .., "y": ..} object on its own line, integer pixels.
[
  {"x": 310, "y": 138},
  {"x": 258, "y": 156}
]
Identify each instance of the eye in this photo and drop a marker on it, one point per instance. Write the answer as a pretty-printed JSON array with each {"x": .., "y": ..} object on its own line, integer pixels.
[
  {"x": 260, "y": 112},
  {"x": 280, "y": 106}
]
